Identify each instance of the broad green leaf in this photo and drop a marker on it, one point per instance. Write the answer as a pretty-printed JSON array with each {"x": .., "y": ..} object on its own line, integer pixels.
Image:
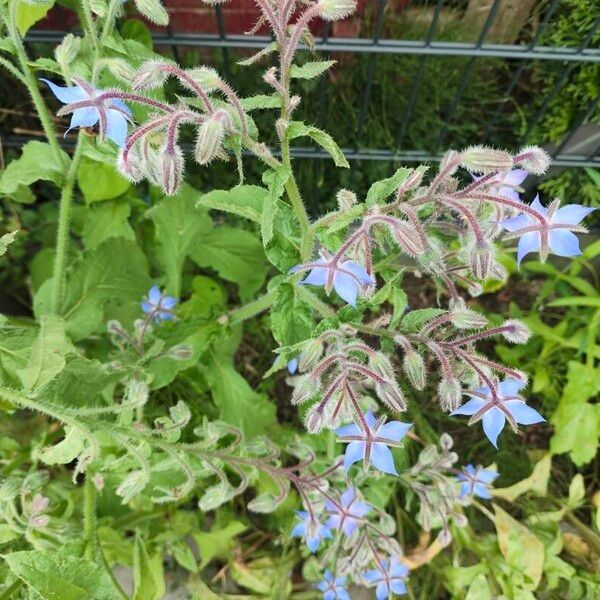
[
  {"x": 107, "y": 220},
  {"x": 67, "y": 450},
  {"x": 236, "y": 254},
  {"x": 48, "y": 353},
  {"x": 37, "y": 162},
  {"x": 218, "y": 542},
  {"x": 243, "y": 200},
  {"x": 153, "y": 10},
  {"x": 415, "y": 319},
  {"x": 576, "y": 490},
  {"x": 381, "y": 190},
  {"x": 99, "y": 181},
  {"x": 30, "y": 13},
  {"x": 54, "y": 576},
  {"x": 147, "y": 574},
  {"x": 537, "y": 482},
  {"x": 479, "y": 589},
  {"x": 261, "y": 102},
  {"x": 298, "y": 129},
  {"x": 134, "y": 29},
  {"x": 180, "y": 227},
  {"x": 522, "y": 550},
  {"x": 106, "y": 283},
  {"x": 291, "y": 318},
  {"x": 15, "y": 349},
  {"x": 576, "y": 301},
  {"x": 270, "y": 206},
  {"x": 311, "y": 70}
]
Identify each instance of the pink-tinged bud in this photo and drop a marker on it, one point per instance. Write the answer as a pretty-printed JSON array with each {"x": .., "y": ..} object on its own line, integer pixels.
[
  {"x": 281, "y": 126},
  {"x": 98, "y": 481},
  {"x": 294, "y": 103},
  {"x": 450, "y": 162},
  {"x": 171, "y": 169},
  {"x": 150, "y": 75},
  {"x": 315, "y": 420},
  {"x": 210, "y": 137},
  {"x": 479, "y": 159},
  {"x": 533, "y": 159},
  {"x": 305, "y": 387},
  {"x": 414, "y": 367},
  {"x": 391, "y": 395},
  {"x": 334, "y": 10},
  {"x": 206, "y": 78},
  {"x": 180, "y": 352},
  {"x": 475, "y": 289},
  {"x": 346, "y": 199},
  {"x": 481, "y": 261},
  {"x": 516, "y": 332},
  {"x": 432, "y": 259},
  {"x": 466, "y": 318},
  {"x": 407, "y": 239},
  {"x": 460, "y": 520},
  {"x": 382, "y": 365},
  {"x": 449, "y": 394},
  {"x": 498, "y": 272},
  {"x": 130, "y": 168},
  {"x": 310, "y": 354}
]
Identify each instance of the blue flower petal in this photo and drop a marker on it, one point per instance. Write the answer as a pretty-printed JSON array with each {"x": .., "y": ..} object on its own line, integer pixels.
[
  {"x": 469, "y": 408},
  {"x": 66, "y": 95},
  {"x": 493, "y": 423},
  {"x": 382, "y": 459},
  {"x": 394, "y": 430},
  {"x": 571, "y": 214},
  {"x": 346, "y": 287},
  {"x": 382, "y": 591},
  {"x": 523, "y": 414},
  {"x": 154, "y": 295},
  {"x": 355, "y": 451},
  {"x": 352, "y": 429},
  {"x": 348, "y": 496},
  {"x": 84, "y": 117},
  {"x": 358, "y": 271},
  {"x": 116, "y": 127},
  {"x": 318, "y": 276},
  {"x": 516, "y": 223},
  {"x": 510, "y": 387},
  {"x": 372, "y": 576},
  {"x": 537, "y": 206},
  {"x": 563, "y": 242},
  {"x": 487, "y": 476},
  {"x": 168, "y": 302},
  {"x": 529, "y": 242},
  {"x": 398, "y": 587},
  {"x": 481, "y": 490}
]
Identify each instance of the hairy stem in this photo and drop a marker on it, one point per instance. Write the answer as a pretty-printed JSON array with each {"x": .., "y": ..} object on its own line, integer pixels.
[
  {"x": 243, "y": 313},
  {"x": 89, "y": 517}
]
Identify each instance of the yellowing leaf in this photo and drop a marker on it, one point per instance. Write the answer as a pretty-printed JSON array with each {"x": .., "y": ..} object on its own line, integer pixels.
[{"x": 537, "y": 482}]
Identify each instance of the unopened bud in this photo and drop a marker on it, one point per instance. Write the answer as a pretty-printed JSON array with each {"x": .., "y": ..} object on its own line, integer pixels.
[
  {"x": 481, "y": 261},
  {"x": 315, "y": 420},
  {"x": 180, "y": 352},
  {"x": 305, "y": 387},
  {"x": 391, "y": 395},
  {"x": 130, "y": 165},
  {"x": 466, "y": 318},
  {"x": 346, "y": 199},
  {"x": 205, "y": 77},
  {"x": 310, "y": 354},
  {"x": 114, "y": 327},
  {"x": 294, "y": 103},
  {"x": 120, "y": 68},
  {"x": 414, "y": 367},
  {"x": 480, "y": 159},
  {"x": 516, "y": 332},
  {"x": 533, "y": 159},
  {"x": 137, "y": 392},
  {"x": 210, "y": 137},
  {"x": 150, "y": 76},
  {"x": 334, "y": 10},
  {"x": 407, "y": 239},
  {"x": 475, "y": 289},
  {"x": 170, "y": 163},
  {"x": 98, "y": 481},
  {"x": 449, "y": 394},
  {"x": 66, "y": 52}
]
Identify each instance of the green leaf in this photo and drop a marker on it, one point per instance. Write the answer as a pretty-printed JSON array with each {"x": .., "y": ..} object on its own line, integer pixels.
[
  {"x": 270, "y": 206},
  {"x": 381, "y": 190},
  {"x": 30, "y": 13},
  {"x": 37, "y": 162},
  {"x": 243, "y": 200},
  {"x": 522, "y": 550},
  {"x": 147, "y": 574},
  {"x": 537, "y": 482},
  {"x": 48, "y": 353},
  {"x": 153, "y": 10},
  {"x": 298, "y": 129},
  {"x": 310, "y": 70},
  {"x": 415, "y": 319},
  {"x": 261, "y": 102},
  {"x": 6, "y": 240},
  {"x": 180, "y": 227},
  {"x": 54, "y": 576},
  {"x": 106, "y": 283},
  {"x": 291, "y": 318},
  {"x": 134, "y": 29},
  {"x": 236, "y": 254},
  {"x": 67, "y": 450},
  {"x": 218, "y": 542},
  {"x": 100, "y": 181},
  {"x": 577, "y": 422},
  {"x": 107, "y": 220},
  {"x": 576, "y": 301}
]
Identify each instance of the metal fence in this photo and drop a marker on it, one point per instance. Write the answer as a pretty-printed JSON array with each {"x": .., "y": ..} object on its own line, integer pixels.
[{"x": 575, "y": 149}]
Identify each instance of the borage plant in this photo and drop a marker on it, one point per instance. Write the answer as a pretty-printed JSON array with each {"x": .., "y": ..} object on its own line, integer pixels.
[{"x": 357, "y": 357}]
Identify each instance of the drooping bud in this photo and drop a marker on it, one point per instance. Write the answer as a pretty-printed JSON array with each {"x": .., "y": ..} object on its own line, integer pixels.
[
  {"x": 315, "y": 420},
  {"x": 406, "y": 238},
  {"x": 130, "y": 165},
  {"x": 305, "y": 387},
  {"x": 465, "y": 318},
  {"x": 346, "y": 199},
  {"x": 475, "y": 289},
  {"x": 516, "y": 332},
  {"x": 449, "y": 394},
  {"x": 479, "y": 159},
  {"x": 533, "y": 159},
  {"x": 205, "y": 77},
  {"x": 150, "y": 75},
  {"x": 414, "y": 367},
  {"x": 210, "y": 137},
  {"x": 481, "y": 260},
  {"x": 294, "y": 104},
  {"x": 180, "y": 352},
  {"x": 120, "y": 68},
  {"x": 391, "y": 395},
  {"x": 310, "y": 354},
  {"x": 170, "y": 164},
  {"x": 334, "y": 10}
]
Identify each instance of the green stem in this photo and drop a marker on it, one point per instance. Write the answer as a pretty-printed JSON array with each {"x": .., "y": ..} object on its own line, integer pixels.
[
  {"x": 114, "y": 580},
  {"x": 111, "y": 15},
  {"x": 32, "y": 86},
  {"x": 89, "y": 517},
  {"x": 13, "y": 70},
  {"x": 316, "y": 303},
  {"x": 243, "y": 313}
]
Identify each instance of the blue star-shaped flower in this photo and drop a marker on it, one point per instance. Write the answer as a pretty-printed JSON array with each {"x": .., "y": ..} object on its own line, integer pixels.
[
  {"x": 333, "y": 588},
  {"x": 311, "y": 529},
  {"x": 158, "y": 306},
  {"x": 495, "y": 407},
  {"x": 476, "y": 481},
  {"x": 389, "y": 578},
  {"x": 346, "y": 278},
  {"x": 112, "y": 114},
  {"x": 372, "y": 444},
  {"x": 553, "y": 234},
  {"x": 348, "y": 514}
]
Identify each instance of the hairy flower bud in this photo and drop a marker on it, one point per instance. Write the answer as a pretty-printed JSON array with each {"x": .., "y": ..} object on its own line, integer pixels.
[
  {"x": 315, "y": 420},
  {"x": 404, "y": 234},
  {"x": 120, "y": 68},
  {"x": 346, "y": 199},
  {"x": 449, "y": 394},
  {"x": 414, "y": 367},
  {"x": 205, "y": 77},
  {"x": 533, "y": 159},
  {"x": 180, "y": 352},
  {"x": 305, "y": 387},
  {"x": 66, "y": 52},
  {"x": 516, "y": 332},
  {"x": 210, "y": 137},
  {"x": 132, "y": 166},
  {"x": 391, "y": 395},
  {"x": 170, "y": 165},
  {"x": 311, "y": 352},
  {"x": 334, "y": 10},
  {"x": 480, "y": 159},
  {"x": 150, "y": 75},
  {"x": 481, "y": 261},
  {"x": 137, "y": 392},
  {"x": 465, "y": 318}
]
